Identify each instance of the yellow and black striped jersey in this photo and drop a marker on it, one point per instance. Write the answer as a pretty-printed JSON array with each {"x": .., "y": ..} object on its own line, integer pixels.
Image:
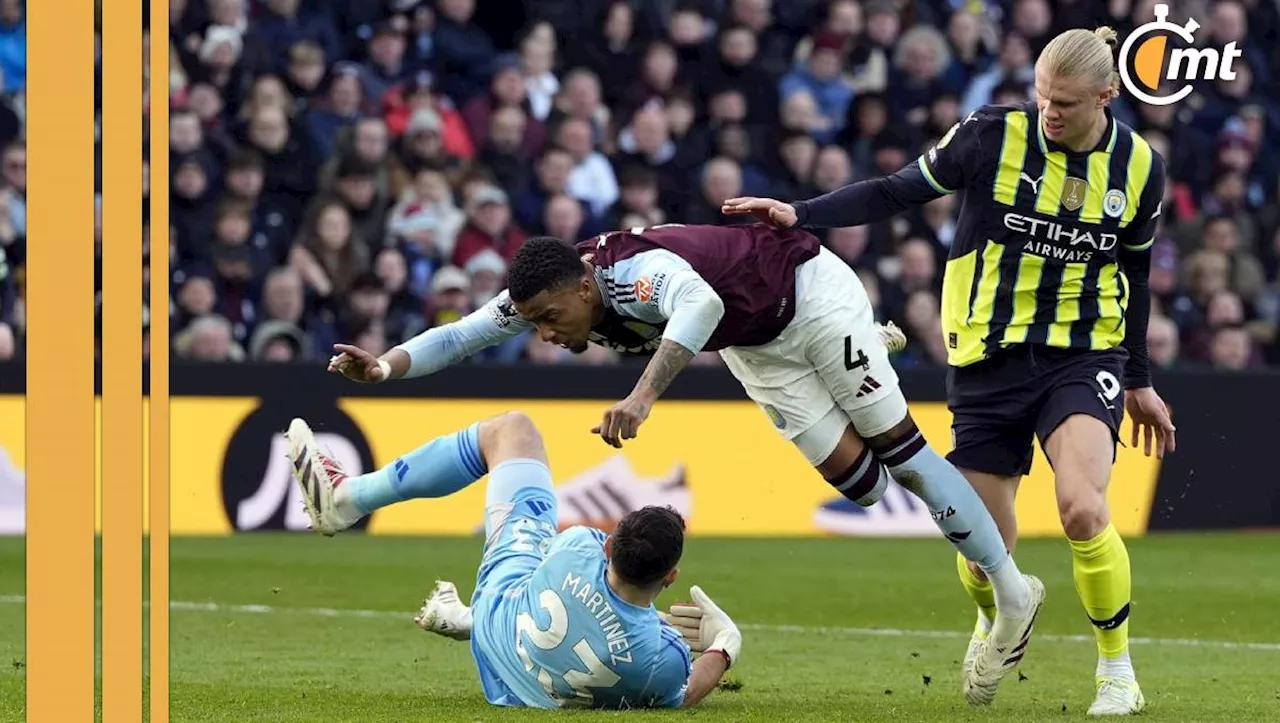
[{"x": 1049, "y": 241}]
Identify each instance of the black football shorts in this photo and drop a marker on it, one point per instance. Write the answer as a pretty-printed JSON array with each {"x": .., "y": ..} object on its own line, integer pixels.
[{"x": 1026, "y": 391}]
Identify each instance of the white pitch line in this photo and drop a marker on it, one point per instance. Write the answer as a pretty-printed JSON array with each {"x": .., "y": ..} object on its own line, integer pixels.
[{"x": 213, "y": 607}]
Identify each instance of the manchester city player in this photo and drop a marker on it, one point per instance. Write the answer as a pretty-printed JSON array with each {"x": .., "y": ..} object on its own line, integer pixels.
[{"x": 556, "y": 620}]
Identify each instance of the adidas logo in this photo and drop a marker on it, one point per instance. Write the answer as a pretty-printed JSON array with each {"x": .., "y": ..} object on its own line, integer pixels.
[
  {"x": 538, "y": 506},
  {"x": 869, "y": 385}
]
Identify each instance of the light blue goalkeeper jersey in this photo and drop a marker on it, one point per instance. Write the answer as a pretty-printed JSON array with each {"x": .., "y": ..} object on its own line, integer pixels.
[{"x": 549, "y": 632}]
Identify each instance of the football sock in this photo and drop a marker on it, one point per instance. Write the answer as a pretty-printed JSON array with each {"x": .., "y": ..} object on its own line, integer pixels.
[
  {"x": 864, "y": 482},
  {"x": 958, "y": 512},
  {"x": 1117, "y": 668},
  {"x": 1101, "y": 570},
  {"x": 980, "y": 591},
  {"x": 436, "y": 469}
]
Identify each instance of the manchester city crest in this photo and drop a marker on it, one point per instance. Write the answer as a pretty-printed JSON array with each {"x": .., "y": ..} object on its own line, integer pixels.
[{"x": 1114, "y": 202}]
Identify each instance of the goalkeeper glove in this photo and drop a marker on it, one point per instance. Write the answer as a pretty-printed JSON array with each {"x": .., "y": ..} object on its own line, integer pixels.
[{"x": 705, "y": 627}]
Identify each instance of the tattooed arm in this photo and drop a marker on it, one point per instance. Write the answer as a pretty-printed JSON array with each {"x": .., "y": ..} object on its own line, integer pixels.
[
  {"x": 696, "y": 312},
  {"x": 666, "y": 363}
]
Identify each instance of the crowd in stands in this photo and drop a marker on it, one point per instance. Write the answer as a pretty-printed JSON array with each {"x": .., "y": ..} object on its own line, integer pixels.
[
  {"x": 13, "y": 176},
  {"x": 363, "y": 170}
]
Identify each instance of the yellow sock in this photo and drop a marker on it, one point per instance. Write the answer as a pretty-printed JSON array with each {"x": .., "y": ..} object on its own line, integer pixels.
[
  {"x": 1101, "y": 570},
  {"x": 978, "y": 589}
]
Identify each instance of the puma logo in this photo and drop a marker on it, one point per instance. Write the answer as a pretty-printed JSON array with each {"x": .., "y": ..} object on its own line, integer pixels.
[{"x": 1034, "y": 182}]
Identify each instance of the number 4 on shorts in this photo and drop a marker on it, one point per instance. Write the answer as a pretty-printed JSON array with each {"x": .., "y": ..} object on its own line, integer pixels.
[{"x": 851, "y": 363}]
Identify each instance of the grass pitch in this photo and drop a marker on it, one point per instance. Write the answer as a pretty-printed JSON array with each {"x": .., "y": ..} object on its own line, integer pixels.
[{"x": 300, "y": 628}]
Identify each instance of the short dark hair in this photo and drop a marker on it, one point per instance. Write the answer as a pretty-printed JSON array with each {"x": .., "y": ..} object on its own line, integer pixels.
[
  {"x": 367, "y": 281},
  {"x": 647, "y": 544},
  {"x": 543, "y": 263}
]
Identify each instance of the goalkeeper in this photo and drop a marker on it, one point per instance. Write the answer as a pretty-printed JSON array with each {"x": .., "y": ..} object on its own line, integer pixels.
[{"x": 556, "y": 620}]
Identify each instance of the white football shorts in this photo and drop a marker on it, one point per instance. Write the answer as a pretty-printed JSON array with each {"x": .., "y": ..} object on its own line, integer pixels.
[{"x": 829, "y": 357}]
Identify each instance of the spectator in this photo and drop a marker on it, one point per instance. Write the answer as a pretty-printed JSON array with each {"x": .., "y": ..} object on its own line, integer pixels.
[
  {"x": 462, "y": 50},
  {"x": 13, "y": 45},
  {"x": 340, "y": 110},
  {"x": 797, "y": 154},
  {"x": 657, "y": 77},
  {"x": 506, "y": 90},
  {"x": 425, "y": 223},
  {"x": 415, "y": 106},
  {"x": 1013, "y": 65},
  {"x": 277, "y": 341},
  {"x": 821, "y": 78},
  {"x": 208, "y": 339},
  {"x": 355, "y": 184},
  {"x": 773, "y": 45},
  {"x": 284, "y": 302},
  {"x": 564, "y": 219},
  {"x": 647, "y": 144},
  {"x": 505, "y": 150},
  {"x": 328, "y": 254},
  {"x": 922, "y": 58},
  {"x": 489, "y": 226},
  {"x": 289, "y": 162},
  {"x": 639, "y": 198},
  {"x": 306, "y": 70},
  {"x": 1232, "y": 349},
  {"x": 551, "y": 178},
  {"x": 850, "y": 244},
  {"x": 591, "y": 180},
  {"x": 387, "y": 66},
  {"x": 538, "y": 54},
  {"x": 8, "y": 344},
  {"x": 1162, "y": 342},
  {"x": 284, "y": 23},
  {"x": 612, "y": 48},
  {"x": 721, "y": 180},
  {"x": 580, "y": 98}
]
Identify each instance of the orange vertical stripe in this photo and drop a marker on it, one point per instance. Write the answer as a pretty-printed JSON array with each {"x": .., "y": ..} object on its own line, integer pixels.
[
  {"x": 159, "y": 406},
  {"x": 121, "y": 370},
  {"x": 60, "y": 403}
]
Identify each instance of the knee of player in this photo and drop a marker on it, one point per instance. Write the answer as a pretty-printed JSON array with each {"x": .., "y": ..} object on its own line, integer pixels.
[
  {"x": 508, "y": 435},
  {"x": 1084, "y": 513},
  {"x": 899, "y": 444}
]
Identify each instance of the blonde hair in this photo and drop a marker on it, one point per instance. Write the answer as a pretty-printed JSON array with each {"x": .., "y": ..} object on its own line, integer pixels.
[{"x": 1080, "y": 53}]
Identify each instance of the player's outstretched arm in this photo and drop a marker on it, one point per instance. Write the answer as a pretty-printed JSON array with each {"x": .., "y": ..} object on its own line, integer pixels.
[
  {"x": 856, "y": 204},
  {"x": 435, "y": 348},
  {"x": 706, "y": 675},
  {"x": 944, "y": 169},
  {"x": 693, "y": 310},
  {"x": 710, "y": 631}
]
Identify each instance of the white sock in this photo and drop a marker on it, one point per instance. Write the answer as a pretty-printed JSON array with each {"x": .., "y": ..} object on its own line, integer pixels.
[
  {"x": 343, "y": 508},
  {"x": 1117, "y": 668},
  {"x": 1012, "y": 593}
]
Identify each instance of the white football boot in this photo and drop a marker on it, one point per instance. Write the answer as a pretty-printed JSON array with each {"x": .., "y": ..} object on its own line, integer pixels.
[
  {"x": 892, "y": 337},
  {"x": 1002, "y": 651},
  {"x": 980, "y": 633},
  {"x": 444, "y": 613},
  {"x": 319, "y": 475},
  {"x": 1117, "y": 697}
]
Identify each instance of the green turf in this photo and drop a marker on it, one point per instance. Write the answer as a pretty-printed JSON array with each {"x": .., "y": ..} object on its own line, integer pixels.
[{"x": 293, "y": 664}]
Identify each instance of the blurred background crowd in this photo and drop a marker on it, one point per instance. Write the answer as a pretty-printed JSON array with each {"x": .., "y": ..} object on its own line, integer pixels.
[{"x": 362, "y": 170}]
